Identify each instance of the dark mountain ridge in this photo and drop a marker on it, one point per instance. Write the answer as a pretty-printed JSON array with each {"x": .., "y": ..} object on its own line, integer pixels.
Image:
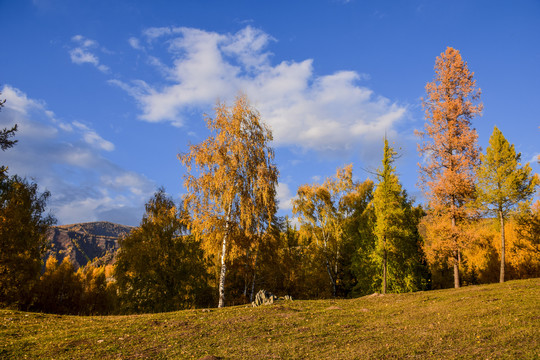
[{"x": 86, "y": 242}]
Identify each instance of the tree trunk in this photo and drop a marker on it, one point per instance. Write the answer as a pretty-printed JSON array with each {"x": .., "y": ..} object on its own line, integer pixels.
[
  {"x": 258, "y": 244},
  {"x": 456, "y": 254},
  {"x": 221, "y": 302},
  {"x": 254, "y": 276},
  {"x": 328, "y": 267},
  {"x": 384, "y": 267},
  {"x": 223, "y": 272},
  {"x": 246, "y": 271},
  {"x": 337, "y": 262},
  {"x": 501, "y": 217},
  {"x": 332, "y": 281}
]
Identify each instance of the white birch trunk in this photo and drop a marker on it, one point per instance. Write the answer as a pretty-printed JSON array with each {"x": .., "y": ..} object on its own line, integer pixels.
[{"x": 223, "y": 272}]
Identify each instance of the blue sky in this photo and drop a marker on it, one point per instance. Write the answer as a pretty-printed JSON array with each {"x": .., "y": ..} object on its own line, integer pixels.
[{"x": 107, "y": 93}]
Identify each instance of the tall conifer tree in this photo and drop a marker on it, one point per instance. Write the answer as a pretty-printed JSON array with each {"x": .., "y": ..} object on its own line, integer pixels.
[
  {"x": 503, "y": 183},
  {"x": 389, "y": 212},
  {"x": 450, "y": 150}
]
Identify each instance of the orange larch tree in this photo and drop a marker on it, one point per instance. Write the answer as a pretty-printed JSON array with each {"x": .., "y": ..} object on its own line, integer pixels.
[{"x": 450, "y": 152}]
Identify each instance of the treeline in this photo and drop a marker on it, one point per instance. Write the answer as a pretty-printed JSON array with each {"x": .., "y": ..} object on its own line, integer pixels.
[{"x": 349, "y": 238}]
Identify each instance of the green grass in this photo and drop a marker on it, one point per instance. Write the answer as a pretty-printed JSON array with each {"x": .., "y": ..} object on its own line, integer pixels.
[{"x": 498, "y": 321}]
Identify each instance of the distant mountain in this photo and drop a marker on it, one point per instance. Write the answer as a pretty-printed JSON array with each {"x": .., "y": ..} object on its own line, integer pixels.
[{"x": 85, "y": 242}]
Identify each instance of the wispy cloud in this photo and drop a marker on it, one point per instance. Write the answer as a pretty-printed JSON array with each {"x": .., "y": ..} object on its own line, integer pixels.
[
  {"x": 92, "y": 138},
  {"x": 330, "y": 113},
  {"x": 67, "y": 159},
  {"x": 135, "y": 43},
  {"x": 83, "y": 53}
]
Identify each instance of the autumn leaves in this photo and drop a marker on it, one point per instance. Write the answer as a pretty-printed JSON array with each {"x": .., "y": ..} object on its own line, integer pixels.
[
  {"x": 458, "y": 181},
  {"x": 231, "y": 184}
]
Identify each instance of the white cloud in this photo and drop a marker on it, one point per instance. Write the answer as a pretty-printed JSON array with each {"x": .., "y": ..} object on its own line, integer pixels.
[
  {"x": 20, "y": 102},
  {"x": 103, "y": 68},
  {"x": 82, "y": 54},
  {"x": 132, "y": 180},
  {"x": 66, "y": 159},
  {"x": 134, "y": 43},
  {"x": 84, "y": 42},
  {"x": 327, "y": 113},
  {"x": 154, "y": 33},
  {"x": 295, "y": 222},
  {"x": 284, "y": 196},
  {"x": 247, "y": 46},
  {"x": 92, "y": 138}
]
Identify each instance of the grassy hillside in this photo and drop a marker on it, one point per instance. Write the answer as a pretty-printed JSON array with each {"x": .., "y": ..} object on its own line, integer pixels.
[{"x": 499, "y": 321}]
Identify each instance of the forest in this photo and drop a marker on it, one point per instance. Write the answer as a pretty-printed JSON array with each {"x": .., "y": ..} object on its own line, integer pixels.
[{"x": 223, "y": 242}]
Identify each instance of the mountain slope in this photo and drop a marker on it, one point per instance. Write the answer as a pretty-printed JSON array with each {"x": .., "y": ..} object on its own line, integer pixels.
[{"x": 85, "y": 242}]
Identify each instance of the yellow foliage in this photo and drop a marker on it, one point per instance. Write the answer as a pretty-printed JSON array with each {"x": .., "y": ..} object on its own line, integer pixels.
[
  {"x": 481, "y": 258},
  {"x": 231, "y": 185}
]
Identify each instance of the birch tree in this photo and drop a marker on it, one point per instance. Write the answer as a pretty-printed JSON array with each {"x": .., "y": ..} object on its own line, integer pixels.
[
  {"x": 450, "y": 151},
  {"x": 323, "y": 212},
  {"x": 231, "y": 182},
  {"x": 503, "y": 183}
]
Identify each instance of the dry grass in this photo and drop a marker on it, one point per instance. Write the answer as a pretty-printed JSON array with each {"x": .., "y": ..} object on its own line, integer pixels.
[{"x": 499, "y": 321}]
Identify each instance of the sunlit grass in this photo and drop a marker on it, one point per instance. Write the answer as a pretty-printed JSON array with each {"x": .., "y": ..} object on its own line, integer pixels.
[{"x": 499, "y": 321}]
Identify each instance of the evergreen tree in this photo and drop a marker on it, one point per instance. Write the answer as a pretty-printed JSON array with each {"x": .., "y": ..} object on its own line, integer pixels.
[
  {"x": 5, "y": 142},
  {"x": 503, "y": 183},
  {"x": 23, "y": 240},
  {"x": 23, "y": 227},
  {"x": 389, "y": 213},
  {"x": 159, "y": 267},
  {"x": 398, "y": 247},
  {"x": 5, "y": 133}
]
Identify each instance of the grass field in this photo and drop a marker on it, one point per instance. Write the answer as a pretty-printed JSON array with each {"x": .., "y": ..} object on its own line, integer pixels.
[{"x": 498, "y": 321}]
